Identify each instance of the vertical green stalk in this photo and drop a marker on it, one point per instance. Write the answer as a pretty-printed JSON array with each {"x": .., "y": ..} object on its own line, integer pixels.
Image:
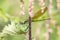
[
  {"x": 47, "y": 2},
  {"x": 54, "y": 3}
]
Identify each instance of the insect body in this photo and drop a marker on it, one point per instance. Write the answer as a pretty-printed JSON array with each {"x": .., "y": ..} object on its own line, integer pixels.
[{"x": 37, "y": 14}]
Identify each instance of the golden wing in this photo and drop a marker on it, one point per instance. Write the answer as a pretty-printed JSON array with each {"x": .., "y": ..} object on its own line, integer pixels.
[{"x": 39, "y": 13}]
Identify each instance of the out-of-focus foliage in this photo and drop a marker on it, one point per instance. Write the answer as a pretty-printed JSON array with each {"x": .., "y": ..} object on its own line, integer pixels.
[{"x": 10, "y": 11}]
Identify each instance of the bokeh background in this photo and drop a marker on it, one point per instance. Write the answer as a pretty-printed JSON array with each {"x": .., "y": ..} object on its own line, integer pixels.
[{"x": 42, "y": 30}]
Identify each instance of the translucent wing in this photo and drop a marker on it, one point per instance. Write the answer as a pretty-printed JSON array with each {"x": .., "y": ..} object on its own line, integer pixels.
[{"x": 39, "y": 13}]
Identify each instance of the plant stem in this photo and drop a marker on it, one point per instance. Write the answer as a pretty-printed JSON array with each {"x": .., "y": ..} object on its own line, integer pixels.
[{"x": 29, "y": 28}]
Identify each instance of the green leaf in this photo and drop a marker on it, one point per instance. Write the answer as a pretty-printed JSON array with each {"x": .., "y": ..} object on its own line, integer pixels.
[{"x": 2, "y": 15}]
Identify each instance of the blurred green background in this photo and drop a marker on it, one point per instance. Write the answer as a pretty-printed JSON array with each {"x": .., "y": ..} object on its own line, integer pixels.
[{"x": 41, "y": 30}]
